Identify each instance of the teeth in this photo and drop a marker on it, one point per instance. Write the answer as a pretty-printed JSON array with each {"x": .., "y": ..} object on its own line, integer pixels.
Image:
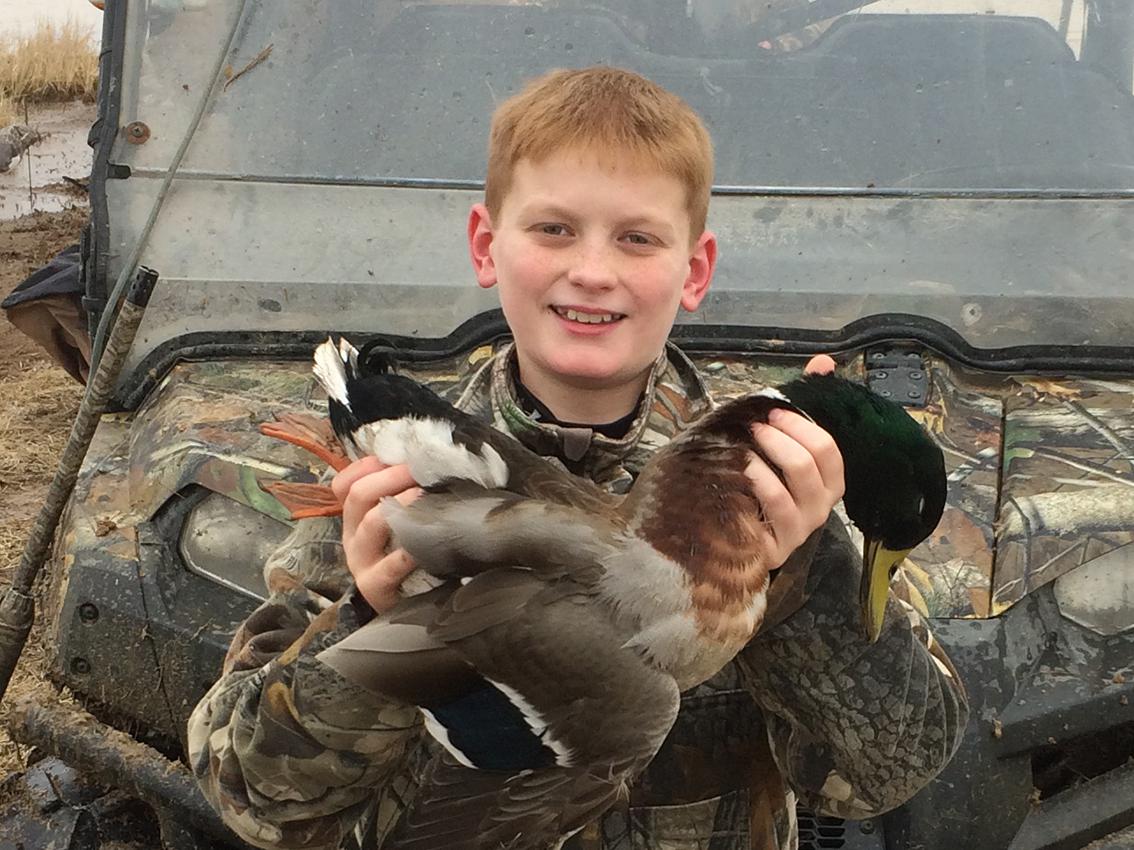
[{"x": 587, "y": 318}]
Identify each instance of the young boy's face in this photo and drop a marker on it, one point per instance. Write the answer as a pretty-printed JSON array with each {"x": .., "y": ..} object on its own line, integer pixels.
[{"x": 592, "y": 259}]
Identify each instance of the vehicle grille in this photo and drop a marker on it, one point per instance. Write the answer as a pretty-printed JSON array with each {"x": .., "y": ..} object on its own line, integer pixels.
[{"x": 817, "y": 832}]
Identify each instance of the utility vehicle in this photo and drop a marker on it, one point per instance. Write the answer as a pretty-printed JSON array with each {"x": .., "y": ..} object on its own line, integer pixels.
[{"x": 939, "y": 193}]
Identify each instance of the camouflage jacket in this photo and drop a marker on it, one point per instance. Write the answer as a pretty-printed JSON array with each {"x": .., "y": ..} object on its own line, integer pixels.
[{"x": 295, "y": 757}]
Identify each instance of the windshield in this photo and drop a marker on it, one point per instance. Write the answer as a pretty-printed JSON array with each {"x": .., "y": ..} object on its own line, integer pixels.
[
  {"x": 936, "y": 94},
  {"x": 965, "y": 160}
]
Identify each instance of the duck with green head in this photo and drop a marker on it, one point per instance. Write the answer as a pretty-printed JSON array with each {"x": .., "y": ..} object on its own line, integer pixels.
[
  {"x": 895, "y": 477},
  {"x": 564, "y": 621}
]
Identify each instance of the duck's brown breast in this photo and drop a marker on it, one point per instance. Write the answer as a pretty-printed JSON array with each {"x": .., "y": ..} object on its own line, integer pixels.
[{"x": 706, "y": 518}]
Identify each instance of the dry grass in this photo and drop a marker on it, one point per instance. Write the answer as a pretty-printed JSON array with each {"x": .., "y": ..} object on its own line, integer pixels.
[
  {"x": 10, "y": 111},
  {"x": 37, "y": 404},
  {"x": 53, "y": 63},
  {"x": 36, "y": 409}
]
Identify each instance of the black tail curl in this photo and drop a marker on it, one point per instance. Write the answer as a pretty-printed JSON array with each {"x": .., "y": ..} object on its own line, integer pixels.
[
  {"x": 379, "y": 355},
  {"x": 377, "y": 392}
]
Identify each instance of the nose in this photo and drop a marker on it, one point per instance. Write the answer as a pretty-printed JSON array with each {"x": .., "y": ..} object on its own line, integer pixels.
[{"x": 593, "y": 265}]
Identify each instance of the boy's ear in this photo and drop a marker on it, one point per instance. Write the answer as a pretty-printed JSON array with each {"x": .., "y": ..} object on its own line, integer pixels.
[
  {"x": 702, "y": 262},
  {"x": 480, "y": 245}
]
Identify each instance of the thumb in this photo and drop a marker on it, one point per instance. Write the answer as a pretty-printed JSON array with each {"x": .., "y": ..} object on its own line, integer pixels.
[{"x": 820, "y": 364}]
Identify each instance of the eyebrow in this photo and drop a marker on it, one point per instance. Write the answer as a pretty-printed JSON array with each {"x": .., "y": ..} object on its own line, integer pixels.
[
  {"x": 553, "y": 210},
  {"x": 548, "y": 209},
  {"x": 646, "y": 221}
]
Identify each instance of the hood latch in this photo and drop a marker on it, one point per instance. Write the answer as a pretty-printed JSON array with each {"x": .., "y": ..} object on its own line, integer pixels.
[{"x": 898, "y": 374}]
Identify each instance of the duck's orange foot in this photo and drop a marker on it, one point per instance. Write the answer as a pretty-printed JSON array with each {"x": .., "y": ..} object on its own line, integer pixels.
[
  {"x": 305, "y": 500},
  {"x": 313, "y": 433}
]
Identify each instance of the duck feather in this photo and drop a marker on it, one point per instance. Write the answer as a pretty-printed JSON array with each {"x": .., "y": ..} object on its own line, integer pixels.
[
  {"x": 562, "y": 688},
  {"x": 456, "y": 812},
  {"x": 567, "y": 686},
  {"x": 464, "y": 531}
]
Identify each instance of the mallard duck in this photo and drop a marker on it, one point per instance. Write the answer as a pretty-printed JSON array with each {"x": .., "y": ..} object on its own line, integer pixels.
[{"x": 549, "y": 661}]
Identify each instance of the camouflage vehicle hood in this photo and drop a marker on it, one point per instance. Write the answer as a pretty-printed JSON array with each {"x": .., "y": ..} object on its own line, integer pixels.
[{"x": 1039, "y": 469}]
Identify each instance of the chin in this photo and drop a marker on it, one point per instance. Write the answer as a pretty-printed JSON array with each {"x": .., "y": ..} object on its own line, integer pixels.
[
  {"x": 597, "y": 373},
  {"x": 586, "y": 371}
]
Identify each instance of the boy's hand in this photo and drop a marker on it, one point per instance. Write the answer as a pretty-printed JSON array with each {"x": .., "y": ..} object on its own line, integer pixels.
[
  {"x": 813, "y": 470},
  {"x": 360, "y": 487}
]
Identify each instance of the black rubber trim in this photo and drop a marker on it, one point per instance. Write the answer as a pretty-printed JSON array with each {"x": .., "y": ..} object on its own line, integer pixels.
[
  {"x": 490, "y": 326},
  {"x": 101, "y": 138},
  {"x": 295, "y": 345},
  {"x": 898, "y": 327}
]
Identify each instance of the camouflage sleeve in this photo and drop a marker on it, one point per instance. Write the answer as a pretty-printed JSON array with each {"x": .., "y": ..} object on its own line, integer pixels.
[
  {"x": 287, "y": 751},
  {"x": 856, "y": 727}
]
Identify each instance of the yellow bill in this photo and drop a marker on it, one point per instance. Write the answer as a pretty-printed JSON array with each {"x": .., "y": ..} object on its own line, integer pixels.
[{"x": 878, "y": 563}]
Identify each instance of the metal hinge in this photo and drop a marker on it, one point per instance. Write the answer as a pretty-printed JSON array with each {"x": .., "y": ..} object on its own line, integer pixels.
[{"x": 898, "y": 374}]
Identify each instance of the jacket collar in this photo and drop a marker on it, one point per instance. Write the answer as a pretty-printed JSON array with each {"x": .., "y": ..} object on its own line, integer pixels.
[{"x": 675, "y": 396}]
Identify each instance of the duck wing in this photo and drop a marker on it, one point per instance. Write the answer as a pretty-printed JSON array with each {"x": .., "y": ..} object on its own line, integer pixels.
[
  {"x": 544, "y": 712},
  {"x": 461, "y": 809},
  {"x": 462, "y": 529},
  {"x": 400, "y": 420}
]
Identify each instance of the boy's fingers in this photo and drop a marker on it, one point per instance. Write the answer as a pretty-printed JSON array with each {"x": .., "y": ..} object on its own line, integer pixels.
[
  {"x": 809, "y": 461},
  {"x": 344, "y": 478},
  {"x": 379, "y": 586},
  {"x": 368, "y": 490},
  {"x": 366, "y": 546},
  {"x": 818, "y": 443},
  {"x": 379, "y": 583},
  {"x": 780, "y": 513},
  {"x": 368, "y": 540},
  {"x": 800, "y": 471},
  {"x": 373, "y": 525}
]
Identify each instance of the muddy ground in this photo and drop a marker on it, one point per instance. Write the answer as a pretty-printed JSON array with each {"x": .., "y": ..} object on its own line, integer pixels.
[
  {"x": 38, "y": 401},
  {"x": 37, "y": 182}
]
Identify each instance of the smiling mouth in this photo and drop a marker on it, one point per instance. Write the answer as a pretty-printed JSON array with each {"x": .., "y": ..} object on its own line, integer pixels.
[{"x": 588, "y": 318}]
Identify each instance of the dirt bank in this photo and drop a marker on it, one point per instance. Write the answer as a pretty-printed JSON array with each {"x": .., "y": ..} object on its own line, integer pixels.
[{"x": 38, "y": 400}]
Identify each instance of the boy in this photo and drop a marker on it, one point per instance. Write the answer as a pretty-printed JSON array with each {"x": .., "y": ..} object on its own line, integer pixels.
[{"x": 593, "y": 231}]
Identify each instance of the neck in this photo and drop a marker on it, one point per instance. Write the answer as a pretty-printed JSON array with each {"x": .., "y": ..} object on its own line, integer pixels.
[{"x": 582, "y": 401}]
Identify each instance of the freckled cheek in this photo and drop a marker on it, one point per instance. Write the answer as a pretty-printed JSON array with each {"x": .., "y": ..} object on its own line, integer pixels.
[
  {"x": 658, "y": 289},
  {"x": 533, "y": 274}
]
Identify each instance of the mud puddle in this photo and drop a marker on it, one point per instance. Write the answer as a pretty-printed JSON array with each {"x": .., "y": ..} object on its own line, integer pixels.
[{"x": 36, "y": 183}]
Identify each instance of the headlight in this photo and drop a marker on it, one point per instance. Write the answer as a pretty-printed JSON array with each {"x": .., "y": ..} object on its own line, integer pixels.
[
  {"x": 1099, "y": 595},
  {"x": 228, "y": 543}
]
